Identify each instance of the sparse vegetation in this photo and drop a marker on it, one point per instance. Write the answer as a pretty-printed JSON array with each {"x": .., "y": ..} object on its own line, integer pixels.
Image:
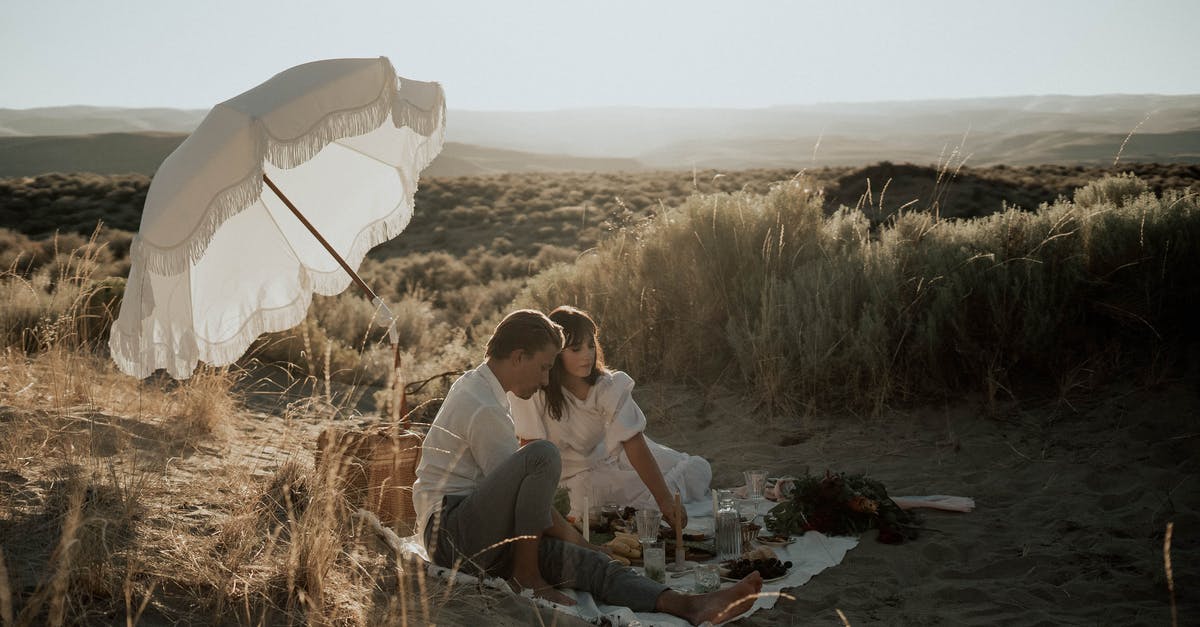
[
  {"x": 768, "y": 293},
  {"x": 123, "y": 499},
  {"x": 449, "y": 290}
]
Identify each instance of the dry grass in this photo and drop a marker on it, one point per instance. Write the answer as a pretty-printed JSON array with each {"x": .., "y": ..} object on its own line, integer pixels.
[
  {"x": 153, "y": 500},
  {"x": 124, "y": 500},
  {"x": 771, "y": 294},
  {"x": 128, "y": 501}
]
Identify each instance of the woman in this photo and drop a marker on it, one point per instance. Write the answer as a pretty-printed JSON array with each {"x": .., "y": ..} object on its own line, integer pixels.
[{"x": 589, "y": 413}]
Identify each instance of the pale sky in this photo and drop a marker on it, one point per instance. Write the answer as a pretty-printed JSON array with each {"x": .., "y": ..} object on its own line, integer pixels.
[{"x": 555, "y": 54}]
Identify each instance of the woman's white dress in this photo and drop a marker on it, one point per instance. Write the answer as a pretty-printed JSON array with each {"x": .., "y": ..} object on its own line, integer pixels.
[{"x": 589, "y": 438}]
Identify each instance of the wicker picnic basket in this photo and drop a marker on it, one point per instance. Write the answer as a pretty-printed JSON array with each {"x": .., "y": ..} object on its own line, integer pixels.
[{"x": 377, "y": 465}]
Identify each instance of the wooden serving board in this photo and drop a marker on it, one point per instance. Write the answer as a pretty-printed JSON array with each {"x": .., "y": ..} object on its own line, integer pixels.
[{"x": 694, "y": 550}]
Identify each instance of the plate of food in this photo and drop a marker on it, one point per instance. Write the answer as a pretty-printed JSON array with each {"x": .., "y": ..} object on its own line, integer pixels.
[
  {"x": 774, "y": 539},
  {"x": 697, "y": 551},
  {"x": 771, "y": 569}
]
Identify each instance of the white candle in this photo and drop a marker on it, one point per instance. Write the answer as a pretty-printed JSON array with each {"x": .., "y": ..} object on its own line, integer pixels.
[{"x": 587, "y": 536}]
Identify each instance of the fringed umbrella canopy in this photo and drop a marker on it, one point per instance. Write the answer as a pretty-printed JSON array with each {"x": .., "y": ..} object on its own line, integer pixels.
[{"x": 220, "y": 259}]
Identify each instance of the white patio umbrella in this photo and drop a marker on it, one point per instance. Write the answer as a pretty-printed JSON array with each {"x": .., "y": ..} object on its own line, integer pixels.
[{"x": 279, "y": 193}]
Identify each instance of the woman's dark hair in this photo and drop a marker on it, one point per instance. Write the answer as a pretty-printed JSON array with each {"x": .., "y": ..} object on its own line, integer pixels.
[{"x": 578, "y": 327}]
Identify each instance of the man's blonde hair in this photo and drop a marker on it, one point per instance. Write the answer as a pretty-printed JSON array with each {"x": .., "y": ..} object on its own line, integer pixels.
[{"x": 525, "y": 329}]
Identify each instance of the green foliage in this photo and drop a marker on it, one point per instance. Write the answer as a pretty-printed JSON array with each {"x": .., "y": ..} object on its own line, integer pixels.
[
  {"x": 47, "y": 203},
  {"x": 562, "y": 501},
  {"x": 807, "y": 309},
  {"x": 1111, "y": 190},
  {"x": 841, "y": 505},
  {"x": 805, "y": 291}
]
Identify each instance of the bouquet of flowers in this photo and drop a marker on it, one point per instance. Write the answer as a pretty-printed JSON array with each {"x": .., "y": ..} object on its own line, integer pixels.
[{"x": 841, "y": 505}]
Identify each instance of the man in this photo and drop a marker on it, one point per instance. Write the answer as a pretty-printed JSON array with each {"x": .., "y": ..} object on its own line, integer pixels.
[{"x": 486, "y": 506}]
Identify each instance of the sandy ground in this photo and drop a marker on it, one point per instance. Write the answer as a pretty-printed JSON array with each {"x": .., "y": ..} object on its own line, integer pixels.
[{"x": 1073, "y": 499}]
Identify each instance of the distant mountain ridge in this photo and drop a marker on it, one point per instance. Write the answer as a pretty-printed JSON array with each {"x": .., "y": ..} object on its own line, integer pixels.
[
  {"x": 88, "y": 120},
  {"x": 1011, "y": 130},
  {"x": 632, "y": 132},
  {"x": 141, "y": 153}
]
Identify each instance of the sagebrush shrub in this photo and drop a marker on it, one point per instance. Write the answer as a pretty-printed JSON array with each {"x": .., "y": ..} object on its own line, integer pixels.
[{"x": 810, "y": 308}]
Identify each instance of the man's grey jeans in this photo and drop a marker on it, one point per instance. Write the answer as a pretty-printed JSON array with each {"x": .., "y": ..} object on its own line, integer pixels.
[{"x": 475, "y": 529}]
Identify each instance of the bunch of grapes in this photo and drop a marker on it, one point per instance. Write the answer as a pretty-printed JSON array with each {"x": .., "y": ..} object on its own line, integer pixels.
[{"x": 768, "y": 568}]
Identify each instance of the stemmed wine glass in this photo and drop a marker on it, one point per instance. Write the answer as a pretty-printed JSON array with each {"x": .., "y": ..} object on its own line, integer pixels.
[{"x": 756, "y": 481}]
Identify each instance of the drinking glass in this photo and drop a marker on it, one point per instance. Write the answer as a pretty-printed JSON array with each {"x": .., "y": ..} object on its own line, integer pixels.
[
  {"x": 654, "y": 559},
  {"x": 708, "y": 578},
  {"x": 756, "y": 482},
  {"x": 648, "y": 521},
  {"x": 747, "y": 510}
]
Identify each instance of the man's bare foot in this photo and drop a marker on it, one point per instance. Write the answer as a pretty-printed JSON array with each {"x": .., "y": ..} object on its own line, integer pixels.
[
  {"x": 723, "y": 605},
  {"x": 542, "y": 590}
]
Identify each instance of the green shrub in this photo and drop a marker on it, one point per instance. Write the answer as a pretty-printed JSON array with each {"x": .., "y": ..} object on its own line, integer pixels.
[
  {"x": 64, "y": 295},
  {"x": 756, "y": 280},
  {"x": 1110, "y": 190},
  {"x": 804, "y": 308}
]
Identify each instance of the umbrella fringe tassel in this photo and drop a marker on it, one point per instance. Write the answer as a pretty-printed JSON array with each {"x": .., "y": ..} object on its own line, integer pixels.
[
  {"x": 138, "y": 349},
  {"x": 288, "y": 154}
]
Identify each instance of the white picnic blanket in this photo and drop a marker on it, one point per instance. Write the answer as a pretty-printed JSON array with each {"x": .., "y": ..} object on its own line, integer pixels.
[
  {"x": 936, "y": 501},
  {"x": 810, "y": 554}
]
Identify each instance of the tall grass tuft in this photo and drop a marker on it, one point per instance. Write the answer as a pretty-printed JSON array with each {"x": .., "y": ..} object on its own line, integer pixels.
[
  {"x": 204, "y": 403},
  {"x": 804, "y": 308},
  {"x": 60, "y": 295}
]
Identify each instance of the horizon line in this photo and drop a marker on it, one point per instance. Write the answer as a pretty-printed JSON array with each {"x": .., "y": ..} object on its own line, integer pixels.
[{"x": 611, "y": 107}]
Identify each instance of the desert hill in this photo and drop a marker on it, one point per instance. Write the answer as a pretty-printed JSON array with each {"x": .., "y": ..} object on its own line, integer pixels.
[
  {"x": 142, "y": 152},
  {"x": 87, "y": 120},
  {"x": 104, "y": 153},
  {"x": 987, "y": 131}
]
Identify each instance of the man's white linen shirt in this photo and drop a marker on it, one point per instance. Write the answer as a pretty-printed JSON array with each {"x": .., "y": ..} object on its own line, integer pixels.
[{"x": 471, "y": 435}]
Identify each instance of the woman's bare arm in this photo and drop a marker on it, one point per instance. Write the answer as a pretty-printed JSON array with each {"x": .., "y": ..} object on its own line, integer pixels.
[{"x": 647, "y": 469}]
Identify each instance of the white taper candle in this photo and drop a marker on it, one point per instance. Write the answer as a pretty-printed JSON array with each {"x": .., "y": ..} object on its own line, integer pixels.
[{"x": 587, "y": 536}]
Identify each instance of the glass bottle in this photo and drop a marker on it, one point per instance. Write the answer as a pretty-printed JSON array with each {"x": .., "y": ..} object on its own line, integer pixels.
[{"x": 729, "y": 528}]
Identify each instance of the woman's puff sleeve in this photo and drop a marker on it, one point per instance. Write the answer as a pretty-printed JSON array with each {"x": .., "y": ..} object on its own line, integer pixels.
[{"x": 625, "y": 419}]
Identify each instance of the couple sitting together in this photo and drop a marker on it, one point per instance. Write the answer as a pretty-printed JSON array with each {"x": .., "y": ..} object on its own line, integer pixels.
[{"x": 543, "y": 409}]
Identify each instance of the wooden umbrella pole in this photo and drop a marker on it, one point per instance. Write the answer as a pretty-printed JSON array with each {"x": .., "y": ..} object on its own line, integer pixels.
[
  {"x": 400, "y": 409},
  {"x": 397, "y": 408},
  {"x": 320, "y": 238}
]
